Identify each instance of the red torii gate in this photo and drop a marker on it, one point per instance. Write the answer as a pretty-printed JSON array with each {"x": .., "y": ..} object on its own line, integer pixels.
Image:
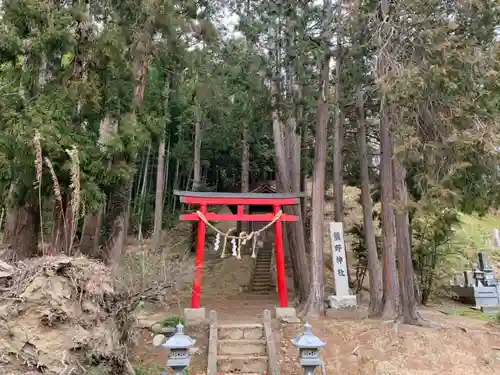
[{"x": 203, "y": 199}]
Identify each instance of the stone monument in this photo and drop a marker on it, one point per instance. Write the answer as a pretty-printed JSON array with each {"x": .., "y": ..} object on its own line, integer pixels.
[{"x": 343, "y": 299}]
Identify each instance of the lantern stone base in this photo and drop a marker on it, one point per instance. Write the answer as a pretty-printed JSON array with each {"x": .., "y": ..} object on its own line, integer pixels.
[
  {"x": 342, "y": 302},
  {"x": 286, "y": 314},
  {"x": 193, "y": 317}
]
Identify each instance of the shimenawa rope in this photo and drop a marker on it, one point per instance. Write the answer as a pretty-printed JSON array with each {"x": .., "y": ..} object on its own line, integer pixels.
[{"x": 243, "y": 237}]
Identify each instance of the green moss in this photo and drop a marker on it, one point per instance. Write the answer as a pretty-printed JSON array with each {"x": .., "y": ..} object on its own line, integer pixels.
[
  {"x": 466, "y": 312},
  {"x": 173, "y": 321}
]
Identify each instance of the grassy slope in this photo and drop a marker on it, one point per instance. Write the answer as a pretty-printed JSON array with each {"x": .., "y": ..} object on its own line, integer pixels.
[{"x": 473, "y": 235}]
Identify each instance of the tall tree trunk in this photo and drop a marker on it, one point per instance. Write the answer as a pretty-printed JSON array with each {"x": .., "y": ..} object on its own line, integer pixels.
[
  {"x": 406, "y": 276},
  {"x": 374, "y": 268},
  {"x": 166, "y": 201},
  {"x": 160, "y": 178},
  {"x": 176, "y": 183},
  {"x": 338, "y": 134},
  {"x": 23, "y": 228},
  {"x": 295, "y": 237},
  {"x": 142, "y": 197},
  {"x": 89, "y": 240},
  {"x": 295, "y": 231},
  {"x": 197, "y": 151},
  {"x": 59, "y": 240},
  {"x": 196, "y": 168},
  {"x": 245, "y": 161},
  {"x": 245, "y": 168},
  {"x": 8, "y": 233},
  {"x": 315, "y": 303},
  {"x": 116, "y": 211},
  {"x": 391, "y": 290}
]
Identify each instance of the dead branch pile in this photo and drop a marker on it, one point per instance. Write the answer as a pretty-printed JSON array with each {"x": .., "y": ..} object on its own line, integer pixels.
[{"x": 62, "y": 315}]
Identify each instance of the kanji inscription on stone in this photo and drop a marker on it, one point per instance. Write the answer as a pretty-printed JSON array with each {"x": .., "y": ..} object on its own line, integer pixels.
[{"x": 338, "y": 257}]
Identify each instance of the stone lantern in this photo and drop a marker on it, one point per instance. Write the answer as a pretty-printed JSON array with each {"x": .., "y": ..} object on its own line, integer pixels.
[
  {"x": 309, "y": 346},
  {"x": 179, "y": 345}
]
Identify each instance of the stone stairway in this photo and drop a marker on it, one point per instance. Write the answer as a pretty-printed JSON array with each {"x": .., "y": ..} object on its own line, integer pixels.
[
  {"x": 262, "y": 280},
  {"x": 242, "y": 349}
]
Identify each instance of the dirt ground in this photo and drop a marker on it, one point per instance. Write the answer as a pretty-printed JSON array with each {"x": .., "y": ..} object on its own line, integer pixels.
[
  {"x": 372, "y": 347},
  {"x": 458, "y": 346}
]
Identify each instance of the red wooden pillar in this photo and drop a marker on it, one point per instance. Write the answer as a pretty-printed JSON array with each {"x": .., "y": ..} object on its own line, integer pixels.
[
  {"x": 280, "y": 260},
  {"x": 200, "y": 250}
]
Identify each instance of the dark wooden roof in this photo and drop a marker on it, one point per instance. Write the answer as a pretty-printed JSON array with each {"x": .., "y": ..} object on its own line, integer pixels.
[
  {"x": 259, "y": 186},
  {"x": 265, "y": 187}
]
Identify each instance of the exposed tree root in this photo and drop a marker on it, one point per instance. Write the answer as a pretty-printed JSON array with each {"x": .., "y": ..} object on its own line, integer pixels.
[{"x": 417, "y": 320}]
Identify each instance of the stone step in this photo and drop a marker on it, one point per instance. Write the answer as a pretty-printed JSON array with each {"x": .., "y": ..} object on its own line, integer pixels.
[
  {"x": 262, "y": 288},
  {"x": 241, "y": 331},
  {"x": 263, "y": 292},
  {"x": 242, "y": 347},
  {"x": 262, "y": 285},
  {"x": 242, "y": 364},
  {"x": 262, "y": 278},
  {"x": 262, "y": 282}
]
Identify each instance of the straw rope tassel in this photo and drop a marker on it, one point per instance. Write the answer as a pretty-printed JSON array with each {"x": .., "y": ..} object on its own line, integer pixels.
[
  {"x": 226, "y": 236},
  {"x": 254, "y": 245}
]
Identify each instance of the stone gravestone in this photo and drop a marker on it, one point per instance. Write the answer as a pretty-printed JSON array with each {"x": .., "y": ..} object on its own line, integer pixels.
[
  {"x": 342, "y": 298},
  {"x": 485, "y": 266}
]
